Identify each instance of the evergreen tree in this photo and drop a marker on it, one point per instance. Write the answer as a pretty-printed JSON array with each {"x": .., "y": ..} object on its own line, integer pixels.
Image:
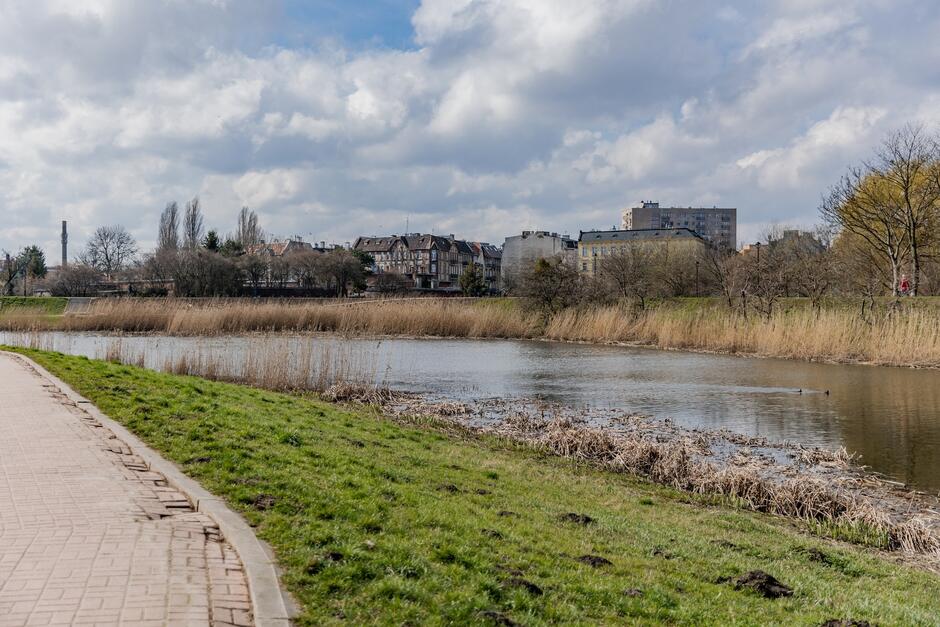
[
  {"x": 212, "y": 241},
  {"x": 472, "y": 282}
]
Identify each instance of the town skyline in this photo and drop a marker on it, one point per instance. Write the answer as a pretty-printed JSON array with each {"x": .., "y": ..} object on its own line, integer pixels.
[{"x": 445, "y": 115}]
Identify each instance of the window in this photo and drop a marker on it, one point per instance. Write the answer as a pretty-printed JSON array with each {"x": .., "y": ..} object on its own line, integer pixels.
[
  {"x": 434, "y": 255},
  {"x": 584, "y": 266},
  {"x": 584, "y": 251},
  {"x": 594, "y": 251}
]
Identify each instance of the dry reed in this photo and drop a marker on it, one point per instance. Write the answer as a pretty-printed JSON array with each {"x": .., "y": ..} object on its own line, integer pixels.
[{"x": 909, "y": 338}]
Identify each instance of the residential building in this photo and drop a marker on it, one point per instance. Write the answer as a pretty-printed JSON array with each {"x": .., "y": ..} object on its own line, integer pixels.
[
  {"x": 431, "y": 262},
  {"x": 594, "y": 246},
  {"x": 490, "y": 260},
  {"x": 716, "y": 224},
  {"x": 520, "y": 251}
]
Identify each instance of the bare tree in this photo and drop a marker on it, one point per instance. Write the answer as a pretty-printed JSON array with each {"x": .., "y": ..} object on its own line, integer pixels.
[
  {"x": 74, "y": 280},
  {"x": 908, "y": 163},
  {"x": 305, "y": 268},
  {"x": 811, "y": 265},
  {"x": 193, "y": 225},
  {"x": 109, "y": 250},
  {"x": 725, "y": 269},
  {"x": 631, "y": 271},
  {"x": 248, "y": 232},
  {"x": 169, "y": 236},
  {"x": 342, "y": 269},
  {"x": 255, "y": 269},
  {"x": 550, "y": 285}
]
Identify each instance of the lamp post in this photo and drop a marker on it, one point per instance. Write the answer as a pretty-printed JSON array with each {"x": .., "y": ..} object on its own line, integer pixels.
[
  {"x": 696, "y": 278},
  {"x": 758, "y": 264}
]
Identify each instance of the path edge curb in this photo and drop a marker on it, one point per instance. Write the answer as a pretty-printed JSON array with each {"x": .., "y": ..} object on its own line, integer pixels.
[{"x": 270, "y": 602}]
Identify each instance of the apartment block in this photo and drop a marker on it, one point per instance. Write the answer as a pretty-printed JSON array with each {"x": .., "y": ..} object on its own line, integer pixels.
[{"x": 718, "y": 225}]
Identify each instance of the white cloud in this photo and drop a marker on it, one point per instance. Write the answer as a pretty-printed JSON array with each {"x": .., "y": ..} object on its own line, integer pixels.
[
  {"x": 844, "y": 132},
  {"x": 509, "y": 114}
]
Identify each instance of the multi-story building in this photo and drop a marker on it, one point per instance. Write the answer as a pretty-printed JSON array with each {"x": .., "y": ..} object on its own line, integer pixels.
[
  {"x": 430, "y": 262},
  {"x": 490, "y": 260},
  {"x": 595, "y": 246},
  {"x": 718, "y": 225},
  {"x": 520, "y": 251}
]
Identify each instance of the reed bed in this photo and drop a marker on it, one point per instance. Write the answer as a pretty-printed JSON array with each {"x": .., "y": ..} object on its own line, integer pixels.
[
  {"x": 335, "y": 371},
  {"x": 904, "y": 338},
  {"x": 415, "y": 317},
  {"x": 911, "y": 338}
]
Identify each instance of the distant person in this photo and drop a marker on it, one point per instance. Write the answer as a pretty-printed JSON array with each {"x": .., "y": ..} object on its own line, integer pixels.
[{"x": 904, "y": 286}]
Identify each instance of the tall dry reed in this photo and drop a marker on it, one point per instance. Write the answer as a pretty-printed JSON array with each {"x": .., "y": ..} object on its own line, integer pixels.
[{"x": 906, "y": 338}]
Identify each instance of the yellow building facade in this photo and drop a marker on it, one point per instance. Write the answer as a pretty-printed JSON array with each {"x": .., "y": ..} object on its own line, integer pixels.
[{"x": 595, "y": 246}]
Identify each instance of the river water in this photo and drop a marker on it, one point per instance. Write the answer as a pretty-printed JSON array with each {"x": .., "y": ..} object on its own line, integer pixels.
[{"x": 890, "y": 416}]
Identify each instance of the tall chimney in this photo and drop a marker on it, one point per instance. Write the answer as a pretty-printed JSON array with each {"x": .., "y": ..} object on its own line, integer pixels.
[{"x": 65, "y": 244}]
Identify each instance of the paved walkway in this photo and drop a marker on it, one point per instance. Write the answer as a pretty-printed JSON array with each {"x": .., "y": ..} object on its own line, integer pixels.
[{"x": 89, "y": 535}]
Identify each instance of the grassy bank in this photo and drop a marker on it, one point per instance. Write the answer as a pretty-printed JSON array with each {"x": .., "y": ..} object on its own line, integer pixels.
[
  {"x": 17, "y": 306},
  {"x": 908, "y": 336},
  {"x": 376, "y": 522}
]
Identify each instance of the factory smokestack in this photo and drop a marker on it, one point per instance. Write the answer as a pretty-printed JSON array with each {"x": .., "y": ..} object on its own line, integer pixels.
[{"x": 65, "y": 244}]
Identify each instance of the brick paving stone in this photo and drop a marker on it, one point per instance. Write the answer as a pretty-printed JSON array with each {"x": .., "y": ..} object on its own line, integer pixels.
[{"x": 89, "y": 534}]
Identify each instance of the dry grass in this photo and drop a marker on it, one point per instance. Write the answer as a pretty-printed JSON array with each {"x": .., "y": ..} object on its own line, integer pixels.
[
  {"x": 908, "y": 338},
  {"x": 417, "y": 317},
  {"x": 911, "y": 338},
  {"x": 334, "y": 371}
]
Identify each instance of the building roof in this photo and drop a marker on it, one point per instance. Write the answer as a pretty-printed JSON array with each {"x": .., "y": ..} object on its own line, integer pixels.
[
  {"x": 375, "y": 244},
  {"x": 656, "y": 205},
  {"x": 488, "y": 250},
  {"x": 414, "y": 241},
  {"x": 639, "y": 235}
]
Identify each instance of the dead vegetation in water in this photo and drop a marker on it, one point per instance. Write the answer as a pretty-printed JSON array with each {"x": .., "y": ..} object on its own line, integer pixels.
[
  {"x": 344, "y": 392},
  {"x": 823, "y": 488}
]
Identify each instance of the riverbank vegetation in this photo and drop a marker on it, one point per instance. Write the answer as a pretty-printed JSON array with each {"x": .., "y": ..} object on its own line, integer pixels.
[
  {"x": 890, "y": 333},
  {"x": 374, "y": 520},
  {"x": 18, "y": 306}
]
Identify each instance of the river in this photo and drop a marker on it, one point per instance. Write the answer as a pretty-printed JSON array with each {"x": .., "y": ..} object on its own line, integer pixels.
[{"x": 889, "y": 416}]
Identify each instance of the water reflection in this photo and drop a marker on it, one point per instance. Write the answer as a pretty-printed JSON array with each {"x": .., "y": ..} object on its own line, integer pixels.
[{"x": 891, "y": 416}]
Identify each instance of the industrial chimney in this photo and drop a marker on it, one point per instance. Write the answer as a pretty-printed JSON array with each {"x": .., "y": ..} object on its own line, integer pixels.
[{"x": 65, "y": 244}]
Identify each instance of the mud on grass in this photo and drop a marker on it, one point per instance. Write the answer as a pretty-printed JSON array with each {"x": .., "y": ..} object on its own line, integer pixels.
[{"x": 352, "y": 505}]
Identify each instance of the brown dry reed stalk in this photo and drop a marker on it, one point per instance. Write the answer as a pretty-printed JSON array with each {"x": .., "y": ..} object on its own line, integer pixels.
[{"x": 910, "y": 338}]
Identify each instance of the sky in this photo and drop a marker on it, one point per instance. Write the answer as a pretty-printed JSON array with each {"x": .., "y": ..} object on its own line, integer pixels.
[{"x": 339, "y": 118}]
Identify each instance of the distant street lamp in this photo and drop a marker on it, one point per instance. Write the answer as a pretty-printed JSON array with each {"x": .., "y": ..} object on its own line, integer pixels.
[
  {"x": 696, "y": 278},
  {"x": 758, "y": 264}
]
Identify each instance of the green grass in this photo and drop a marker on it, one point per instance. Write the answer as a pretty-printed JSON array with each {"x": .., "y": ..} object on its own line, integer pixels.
[
  {"x": 375, "y": 522},
  {"x": 19, "y": 305}
]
